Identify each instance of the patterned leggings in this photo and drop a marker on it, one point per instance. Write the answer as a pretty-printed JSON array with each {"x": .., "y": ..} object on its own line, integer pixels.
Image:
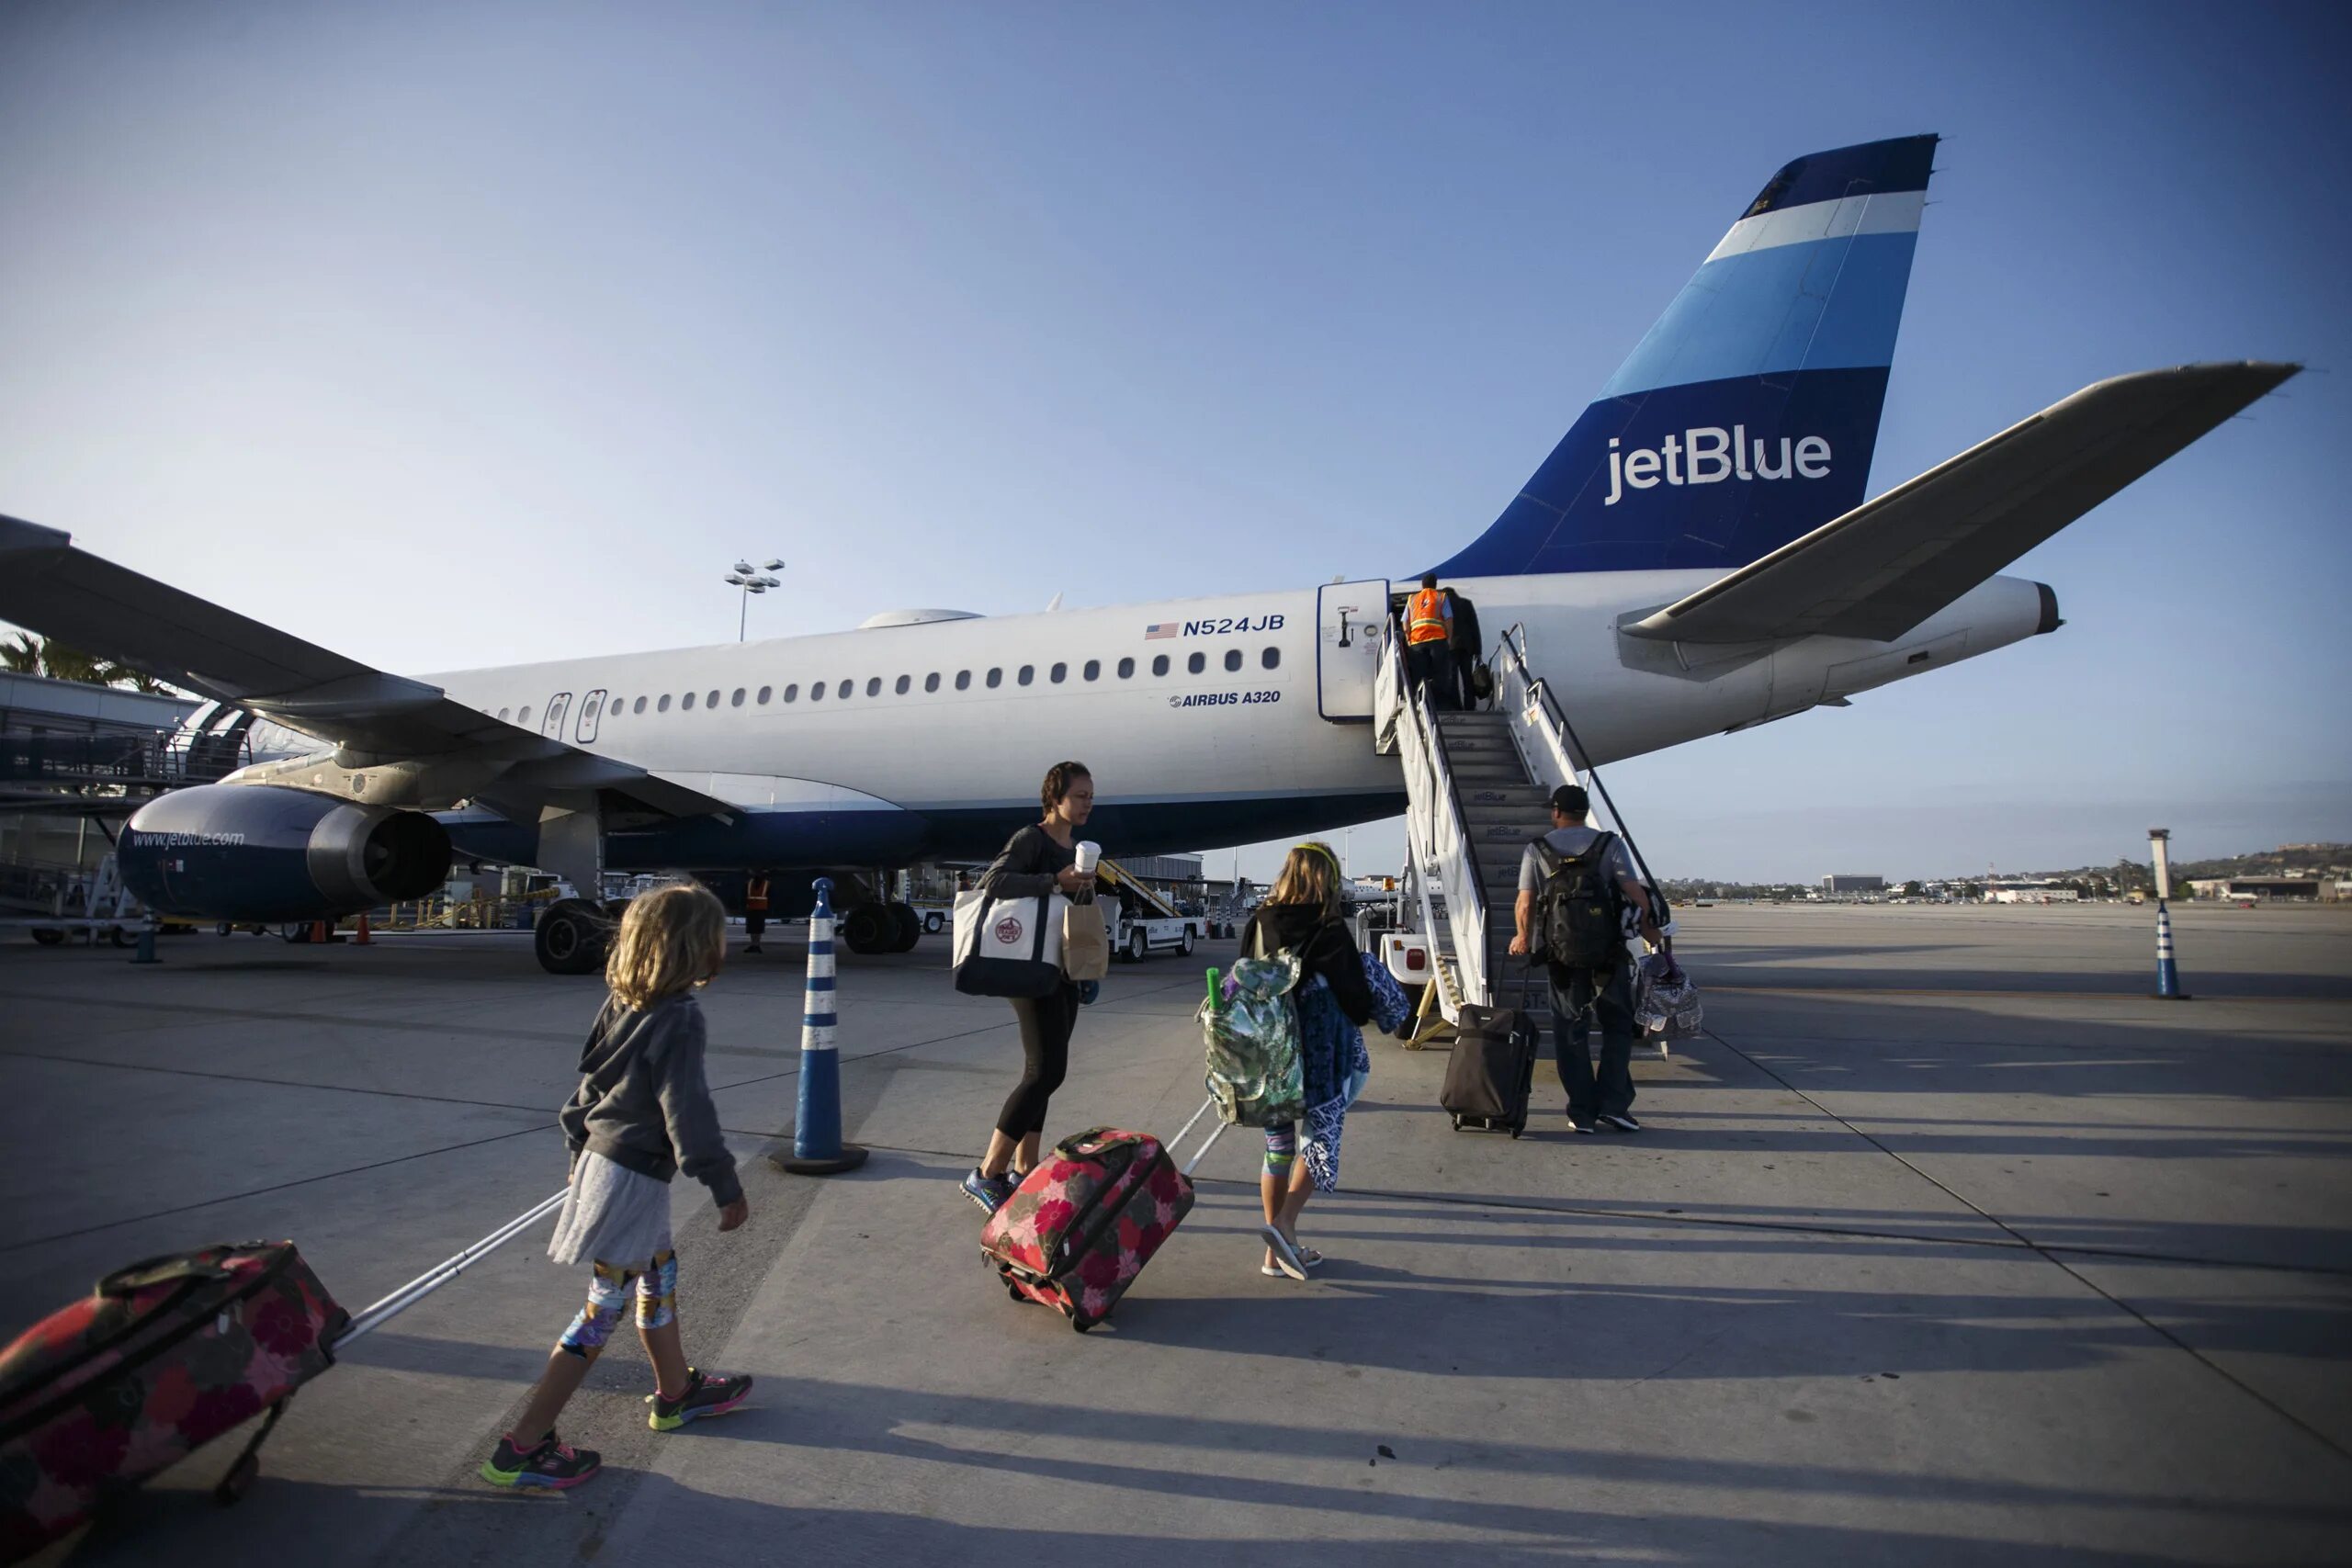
[{"x": 656, "y": 1302}]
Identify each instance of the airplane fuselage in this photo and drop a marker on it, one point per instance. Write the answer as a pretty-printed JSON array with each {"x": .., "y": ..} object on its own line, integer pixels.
[{"x": 1206, "y": 721}]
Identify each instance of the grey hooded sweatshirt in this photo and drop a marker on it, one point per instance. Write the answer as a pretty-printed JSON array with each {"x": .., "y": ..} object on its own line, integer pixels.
[{"x": 643, "y": 1100}]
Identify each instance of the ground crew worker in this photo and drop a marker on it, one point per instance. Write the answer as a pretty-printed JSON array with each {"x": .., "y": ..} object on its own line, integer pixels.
[
  {"x": 755, "y": 909},
  {"x": 1429, "y": 635}
]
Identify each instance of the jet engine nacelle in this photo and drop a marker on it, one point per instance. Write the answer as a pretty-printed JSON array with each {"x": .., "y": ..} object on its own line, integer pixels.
[{"x": 264, "y": 852}]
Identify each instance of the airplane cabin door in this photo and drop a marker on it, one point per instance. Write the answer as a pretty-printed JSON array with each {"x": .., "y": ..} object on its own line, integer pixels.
[
  {"x": 551, "y": 726},
  {"x": 1347, "y": 618}
]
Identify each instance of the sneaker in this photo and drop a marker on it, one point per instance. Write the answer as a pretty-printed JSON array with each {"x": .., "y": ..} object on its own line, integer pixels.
[
  {"x": 753, "y": 947},
  {"x": 1622, "y": 1121},
  {"x": 1579, "y": 1125},
  {"x": 989, "y": 1191},
  {"x": 708, "y": 1393},
  {"x": 554, "y": 1464}
]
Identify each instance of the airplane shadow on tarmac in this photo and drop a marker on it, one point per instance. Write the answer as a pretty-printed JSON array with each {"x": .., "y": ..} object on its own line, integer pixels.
[{"x": 463, "y": 1525}]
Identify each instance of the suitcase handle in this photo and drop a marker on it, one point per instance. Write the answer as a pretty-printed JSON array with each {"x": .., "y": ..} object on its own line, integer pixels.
[{"x": 172, "y": 1265}]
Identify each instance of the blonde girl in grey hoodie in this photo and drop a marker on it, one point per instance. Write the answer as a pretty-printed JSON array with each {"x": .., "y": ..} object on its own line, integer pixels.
[{"x": 641, "y": 1114}]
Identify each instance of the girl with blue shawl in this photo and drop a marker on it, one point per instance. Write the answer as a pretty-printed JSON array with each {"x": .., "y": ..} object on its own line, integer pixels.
[{"x": 1338, "y": 991}]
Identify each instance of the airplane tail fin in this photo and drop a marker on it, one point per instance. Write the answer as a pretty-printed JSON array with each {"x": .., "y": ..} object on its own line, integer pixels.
[{"x": 1747, "y": 415}]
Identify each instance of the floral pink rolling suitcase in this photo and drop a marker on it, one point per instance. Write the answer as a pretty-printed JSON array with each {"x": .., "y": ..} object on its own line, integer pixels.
[{"x": 1078, "y": 1231}]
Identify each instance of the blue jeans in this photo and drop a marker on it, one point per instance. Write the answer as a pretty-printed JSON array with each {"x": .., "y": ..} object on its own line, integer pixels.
[{"x": 1609, "y": 997}]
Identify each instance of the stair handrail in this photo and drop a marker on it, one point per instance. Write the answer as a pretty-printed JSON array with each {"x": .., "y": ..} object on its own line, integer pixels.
[
  {"x": 1436, "y": 827},
  {"x": 1559, "y": 737}
]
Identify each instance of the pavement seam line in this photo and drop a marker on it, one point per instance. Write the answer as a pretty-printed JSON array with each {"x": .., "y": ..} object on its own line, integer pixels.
[
  {"x": 274, "y": 1187},
  {"x": 2054, "y": 1260}
]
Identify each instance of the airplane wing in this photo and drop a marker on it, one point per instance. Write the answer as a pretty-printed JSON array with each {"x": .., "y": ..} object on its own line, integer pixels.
[
  {"x": 1890, "y": 563},
  {"x": 52, "y": 588}
]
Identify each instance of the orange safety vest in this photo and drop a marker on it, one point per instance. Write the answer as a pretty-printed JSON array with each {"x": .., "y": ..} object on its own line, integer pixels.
[
  {"x": 756, "y": 896},
  {"x": 1425, "y": 617}
]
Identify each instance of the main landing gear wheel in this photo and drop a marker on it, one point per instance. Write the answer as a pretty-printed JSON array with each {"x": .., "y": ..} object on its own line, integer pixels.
[
  {"x": 570, "y": 937},
  {"x": 909, "y": 925},
  {"x": 869, "y": 928}
]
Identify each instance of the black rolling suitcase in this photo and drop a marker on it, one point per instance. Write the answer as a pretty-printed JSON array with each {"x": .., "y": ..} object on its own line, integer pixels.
[{"x": 1492, "y": 1071}]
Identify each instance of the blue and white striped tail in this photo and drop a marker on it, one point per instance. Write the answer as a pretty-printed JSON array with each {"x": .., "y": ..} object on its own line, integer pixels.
[{"x": 1748, "y": 414}]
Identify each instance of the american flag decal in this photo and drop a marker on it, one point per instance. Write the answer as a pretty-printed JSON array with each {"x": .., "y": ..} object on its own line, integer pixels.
[{"x": 1158, "y": 629}]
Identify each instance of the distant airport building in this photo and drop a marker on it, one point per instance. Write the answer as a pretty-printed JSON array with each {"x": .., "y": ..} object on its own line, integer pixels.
[
  {"x": 2030, "y": 890},
  {"x": 1841, "y": 885},
  {"x": 2311, "y": 887}
]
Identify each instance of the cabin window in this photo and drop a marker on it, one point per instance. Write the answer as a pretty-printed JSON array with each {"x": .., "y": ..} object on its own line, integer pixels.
[
  {"x": 930, "y": 682},
  {"x": 503, "y": 713},
  {"x": 874, "y": 685},
  {"x": 1126, "y": 668},
  {"x": 1198, "y": 662},
  {"x": 1233, "y": 659},
  {"x": 688, "y": 702},
  {"x": 662, "y": 706},
  {"x": 1160, "y": 665},
  {"x": 844, "y": 689},
  {"x": 996, "y": 679},
  {"x": 963, "y": 680},
  {"x": 523, "y": 716},
  {"x": 816, "y": 690},
  {"x": 1057, "y": 674},
  {"x": 1028, "y": 673},
  {"x": 1093, "y": 669},
  {"x": 792, "y": 691},
  {"x": 1270, "y": 659},
  {"x": 904, "y": 682},
  {"x": 639, "y": 707},
  {"x": 736, "y": 700},
  {"x": 765, "y": 693},
  {"x": 711, "y": 701}
]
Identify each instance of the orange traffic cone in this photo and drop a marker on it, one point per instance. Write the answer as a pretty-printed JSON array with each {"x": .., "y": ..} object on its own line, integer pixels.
[
  {"x": 318, "y": 931},
  {"x": 363, "y": 939}
]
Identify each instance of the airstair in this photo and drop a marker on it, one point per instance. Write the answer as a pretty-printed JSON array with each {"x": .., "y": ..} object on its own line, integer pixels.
[{"x": 1478, "y": 788}]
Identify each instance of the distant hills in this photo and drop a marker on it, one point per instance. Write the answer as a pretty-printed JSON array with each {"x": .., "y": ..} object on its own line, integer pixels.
[{"x": 2090, "y": 881}]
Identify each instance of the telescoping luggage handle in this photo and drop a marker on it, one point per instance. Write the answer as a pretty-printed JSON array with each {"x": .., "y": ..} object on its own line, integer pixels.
[
  {"x": 375, "y": 1315},
  {"x": 1215, "y": 1132}
]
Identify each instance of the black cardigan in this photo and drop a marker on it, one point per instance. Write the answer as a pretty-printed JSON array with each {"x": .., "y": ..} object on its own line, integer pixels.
[
  {"x": 1027, "y": 865},
  {"x": 1323, "y": 947}
]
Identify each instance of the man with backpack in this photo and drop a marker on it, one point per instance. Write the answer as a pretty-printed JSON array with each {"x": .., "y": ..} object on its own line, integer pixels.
[{"x": 1575, "y": 884}]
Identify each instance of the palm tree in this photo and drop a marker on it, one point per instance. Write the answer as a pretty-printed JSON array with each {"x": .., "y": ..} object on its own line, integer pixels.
[{"x": 29, "y": 654}]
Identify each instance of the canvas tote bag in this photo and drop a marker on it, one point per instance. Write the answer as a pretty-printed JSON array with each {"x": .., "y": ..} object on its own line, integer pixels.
[{"x": 1008, "y": 947}]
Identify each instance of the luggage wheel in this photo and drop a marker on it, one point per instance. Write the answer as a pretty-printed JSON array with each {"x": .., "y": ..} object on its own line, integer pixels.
[
  {"x": 1081, "y": 1324},
  {"x": 238, "y": 1482}
]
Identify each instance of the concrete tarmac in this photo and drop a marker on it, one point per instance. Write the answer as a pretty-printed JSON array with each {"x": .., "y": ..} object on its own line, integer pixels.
[{"x": 1946, "y": 1244}]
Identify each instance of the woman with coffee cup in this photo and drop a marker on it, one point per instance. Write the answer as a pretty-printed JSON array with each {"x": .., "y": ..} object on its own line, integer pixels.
[{"x": 1042, "y": 858}]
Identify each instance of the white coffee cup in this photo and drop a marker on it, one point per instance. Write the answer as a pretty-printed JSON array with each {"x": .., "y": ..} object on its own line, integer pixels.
[{"x": 1090, "y": 855}]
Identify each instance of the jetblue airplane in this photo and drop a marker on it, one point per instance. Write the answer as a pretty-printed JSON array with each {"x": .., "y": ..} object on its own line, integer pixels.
[{"x": 1696, "y": 555}]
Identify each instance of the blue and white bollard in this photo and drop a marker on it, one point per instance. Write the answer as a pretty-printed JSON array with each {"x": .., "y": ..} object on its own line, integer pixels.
[
  {"x": 145, "y": 953},
  {"x": 2167, "y": 971},
  {"x": 817, "y": 1147}
]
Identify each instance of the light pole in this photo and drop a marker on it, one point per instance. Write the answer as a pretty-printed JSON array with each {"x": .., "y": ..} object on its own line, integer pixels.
[{"x": 751, "y": 582}]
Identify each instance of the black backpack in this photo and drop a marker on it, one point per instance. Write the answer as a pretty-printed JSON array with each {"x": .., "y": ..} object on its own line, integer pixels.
[{"x": 1578, "y": 908}]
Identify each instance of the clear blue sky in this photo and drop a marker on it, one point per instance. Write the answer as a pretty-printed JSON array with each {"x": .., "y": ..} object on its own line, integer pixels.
[{"x": 448, "y": 334}]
